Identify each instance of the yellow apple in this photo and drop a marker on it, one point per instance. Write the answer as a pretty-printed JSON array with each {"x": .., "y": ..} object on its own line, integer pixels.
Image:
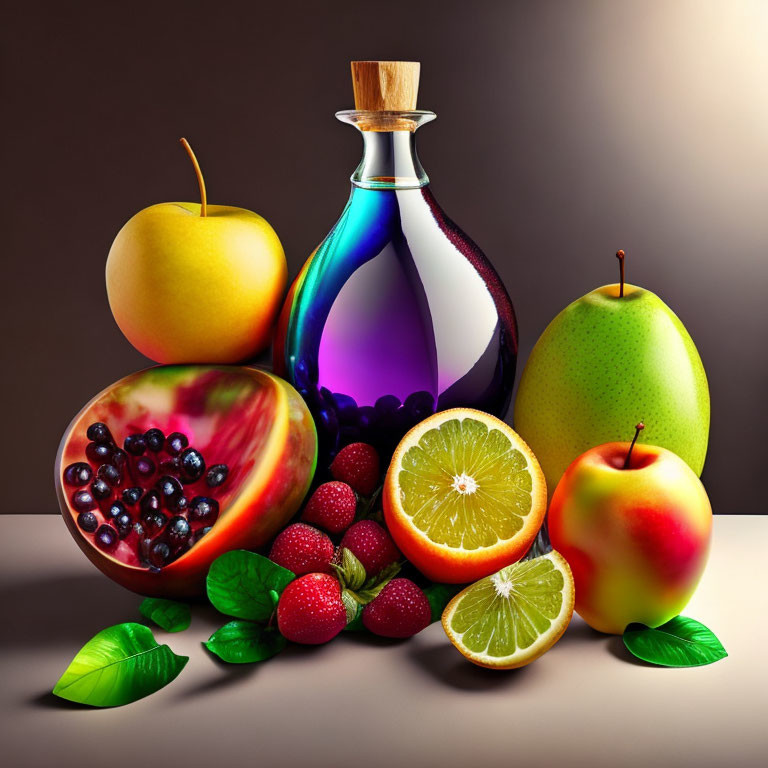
[{"x": 196, "y": 283}]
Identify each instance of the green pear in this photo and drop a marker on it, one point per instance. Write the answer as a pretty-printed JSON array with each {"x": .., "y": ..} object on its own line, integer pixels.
[{"x": 614, "y": 357}]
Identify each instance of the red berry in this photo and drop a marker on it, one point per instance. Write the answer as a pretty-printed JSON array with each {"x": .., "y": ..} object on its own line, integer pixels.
[
  {"x": 371, "y": 545},
  {"x": 310, "y": 610},
  {"x": 358, "y": 466},
  {"x": 401, "y": 609},
  {"x": 302, "y": 549},
  {"x": 332, "y": 507}
]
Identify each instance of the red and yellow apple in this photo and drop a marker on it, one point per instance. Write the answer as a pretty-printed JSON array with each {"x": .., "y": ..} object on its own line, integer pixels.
[{"x": 636, "y": 538}]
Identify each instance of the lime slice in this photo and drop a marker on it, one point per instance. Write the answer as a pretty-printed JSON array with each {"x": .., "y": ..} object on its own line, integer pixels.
[
  {"x": 464, "y": 495},
  {"x": 511, "y": 618}
]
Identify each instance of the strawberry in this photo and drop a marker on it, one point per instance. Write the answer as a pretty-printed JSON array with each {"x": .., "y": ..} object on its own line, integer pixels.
[
  {"x": 332, "y": 506},
  {"x": 401, "y": 609},
  {"x": 371, "y": 545},
  {"x": 357, "y": 465},
  {"x": 302, "y": 549},
  {"x": 310, "y": 610}
]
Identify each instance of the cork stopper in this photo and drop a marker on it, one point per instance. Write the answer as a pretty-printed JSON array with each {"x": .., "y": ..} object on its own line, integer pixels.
[{"x": 385, "y": 86}]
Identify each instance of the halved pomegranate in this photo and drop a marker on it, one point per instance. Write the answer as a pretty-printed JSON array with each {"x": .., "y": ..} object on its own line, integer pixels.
[{"x": 170, "y": 467}]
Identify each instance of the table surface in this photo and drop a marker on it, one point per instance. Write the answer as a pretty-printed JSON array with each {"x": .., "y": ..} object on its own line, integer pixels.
[{"x": 367, "y": 702}]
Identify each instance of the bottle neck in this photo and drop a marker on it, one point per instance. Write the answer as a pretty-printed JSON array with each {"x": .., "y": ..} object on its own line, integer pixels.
[{"x": 389, "y": 162}]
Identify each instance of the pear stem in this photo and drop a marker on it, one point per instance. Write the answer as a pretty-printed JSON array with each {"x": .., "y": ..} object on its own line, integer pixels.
[
  {"x": 620, "y": 256},
  {"x": 199, "y": 174},
  {"x": 638, "y": 429}
]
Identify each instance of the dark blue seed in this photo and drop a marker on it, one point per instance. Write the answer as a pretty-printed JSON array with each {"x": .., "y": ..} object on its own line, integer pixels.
[
  {"x": 99, "y": 453},
  {"x": 175, "y": 443},
  {"x": 170, "y": 490},
  {"x": 124, "y": 524},
  {"x": 150, "y": 502},
  {"x": 131, "y": 496},
  {"x": 106, "y": 538},
  {"x": 203, "y": 509},
  {"x": 99, "y": 432},
  {"x": 109, "y": 473},
  {"x": 78, "y": 474},
  {"x": 420, "y": 405},
  {"x": 115, "y": 509},
  {"x": 155, "y": 439},
  {"x": 135, "y": 444},
  {"x": 100, "y": 489},
  {"x": 192, "y": 465},
  {"x": 178, "y": 531},
  {"x": 159, "y": 554},
  {"x": 386, "y": 405},
  {"x": 87, "y": 521},
  {"x": 217, "y": 474},
  {"x": 83, "y": 501},
  {"x": 145, "y": 468},
  {"x": 153, "y": 522}
]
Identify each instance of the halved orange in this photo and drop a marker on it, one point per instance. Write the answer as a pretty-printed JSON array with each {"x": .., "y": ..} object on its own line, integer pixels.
[{"x": 464, "y": 496}]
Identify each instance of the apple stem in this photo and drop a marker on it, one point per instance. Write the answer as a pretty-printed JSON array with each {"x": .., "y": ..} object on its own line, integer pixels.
[
  {"x": 638, "y": 429},
  {"x": 620, "y": 256},
  {"x": 200, "y": 180}
]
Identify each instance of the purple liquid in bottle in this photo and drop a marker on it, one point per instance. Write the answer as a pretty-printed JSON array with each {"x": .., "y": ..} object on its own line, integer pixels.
[{"x": 397, "y": 314}]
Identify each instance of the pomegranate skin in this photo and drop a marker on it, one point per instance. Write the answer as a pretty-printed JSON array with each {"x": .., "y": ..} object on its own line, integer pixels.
[{"x": 249, "y": 419}]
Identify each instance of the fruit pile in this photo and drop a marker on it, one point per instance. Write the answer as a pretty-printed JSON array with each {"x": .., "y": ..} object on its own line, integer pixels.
[
  {"x": 313, "y": 608},
  {"x": 146, "y": 497},
  {"x": 216, "y": 461}
]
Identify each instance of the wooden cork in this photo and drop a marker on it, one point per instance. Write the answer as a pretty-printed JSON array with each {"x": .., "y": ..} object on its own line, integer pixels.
[{"x": 386, "y": 86}]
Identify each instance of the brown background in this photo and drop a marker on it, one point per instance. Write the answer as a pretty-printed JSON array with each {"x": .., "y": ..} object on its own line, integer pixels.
[{"x": 566, "y": 130}]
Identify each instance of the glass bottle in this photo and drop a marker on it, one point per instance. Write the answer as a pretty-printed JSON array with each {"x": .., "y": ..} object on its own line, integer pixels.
[{"x": 397, "y": 313}]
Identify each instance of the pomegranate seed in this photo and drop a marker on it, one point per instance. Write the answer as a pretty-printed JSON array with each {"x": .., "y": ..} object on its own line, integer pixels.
[
  {"x": 135, "y": 444},
  {"x": 83, "y": 501},
  {"x": 106, "y": 537},
  {"x": 99, "y": 432},
  {"x": 87, "y": 521},
  {"x": 217, "y": 474},
  {"x": 155, "y": 440},
  {"x": 192, "y": 465},
  {"x": 78, "y": 474},
  {"x": 175, "y": 443},
  {"x": 203, "y": 509}
]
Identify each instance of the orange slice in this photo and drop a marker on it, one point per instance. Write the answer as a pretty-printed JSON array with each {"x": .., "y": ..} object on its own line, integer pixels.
[{"x": 464, "y": 496}]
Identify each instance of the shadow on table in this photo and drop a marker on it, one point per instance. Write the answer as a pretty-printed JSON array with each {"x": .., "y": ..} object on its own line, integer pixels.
[
  {"x": 226, "y": 676},
  {"x": 618, "y": 650},
  {"x": 47, "y": 700},
  {"x": 446, "y": 665},
  {"x": 59, "y": 608}
]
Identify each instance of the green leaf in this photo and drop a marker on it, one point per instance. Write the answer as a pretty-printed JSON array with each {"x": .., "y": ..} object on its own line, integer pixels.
[
  {"x": 351, "y": 604},
  {"x": 167, "y": 614},
  {"x": 356, "y": 625},
  {"x": 351, "y": 572},
  {"x": 681, "y": 642},
  {"x": 239, "y": 584},
  {"x": 243, "y": 642},
  {"x": 439, "y": 595},
  {"x": 117, "y": 666}
]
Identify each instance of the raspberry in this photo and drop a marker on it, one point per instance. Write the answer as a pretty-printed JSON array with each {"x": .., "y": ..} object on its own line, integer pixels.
[
  {"x": 332, "y": 506},
  {"x": 302, "y": 549},
  {"x": 357, "y": 465}
]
